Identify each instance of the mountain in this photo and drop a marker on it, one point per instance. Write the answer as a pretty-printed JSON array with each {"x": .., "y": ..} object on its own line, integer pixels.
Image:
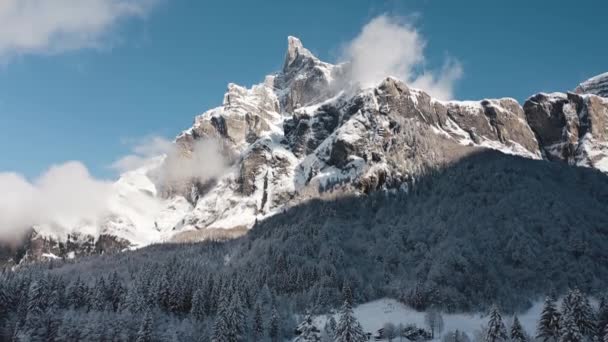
[
  {"x": 597, "y": 85},
  {"x": 309, "y": 132}
]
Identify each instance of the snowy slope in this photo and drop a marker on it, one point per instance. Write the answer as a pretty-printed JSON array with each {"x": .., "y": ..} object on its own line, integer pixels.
[{"x": 374, "y": 315}]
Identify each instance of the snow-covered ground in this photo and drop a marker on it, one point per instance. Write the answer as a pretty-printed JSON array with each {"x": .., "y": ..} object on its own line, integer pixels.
[{"x": 374, "y": 315}]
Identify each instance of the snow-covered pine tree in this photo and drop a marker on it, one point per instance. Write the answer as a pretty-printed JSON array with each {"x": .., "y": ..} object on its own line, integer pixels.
[
  {"x": 116, "y": 291},
  {"x": 548, "y": 329},
  {"x": 496, "y": 332},
  {"x": 330, "y": 327},
  {"x": 349, "y": 329},
  {"x": 4, "y": 305},
  {"x": 273, "y": 325},
  {"x": 604, "y": 334},
  {"x": 163, "y": 294},
  {"x": 236, "y": 318},
  {"x": 144, "y": 334},
  {"x": 36, "y": 306},
  {"x": 78, "y": 294},
  {"x": 602, "y": 318},
  {"x": 517, "y": 331},
  {"x": 198, "y": 305},
  {"x": 98, "y": 299},
  {"x": 51, "y": 320},
  {"x": 569, "y": 331},
  {"x": 578, "y": 307},
  {"x": 134, "y": 301},
  {"x": 308, "y": 331},
  {"x": 347, "y": 294},
  {"x": 257, "y": 328},
  {"x": 221, "y": 330}
]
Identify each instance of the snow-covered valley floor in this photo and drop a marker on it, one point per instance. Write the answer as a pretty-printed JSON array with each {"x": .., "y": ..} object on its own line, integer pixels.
[{"x": 373, "y": 315}]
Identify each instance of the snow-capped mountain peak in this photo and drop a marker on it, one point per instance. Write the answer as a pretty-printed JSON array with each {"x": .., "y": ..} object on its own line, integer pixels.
[{"x": 307, "y": 132}]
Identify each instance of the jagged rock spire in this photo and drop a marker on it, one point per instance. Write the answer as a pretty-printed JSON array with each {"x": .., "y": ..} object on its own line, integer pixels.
[{"x": 294, "y": 50}]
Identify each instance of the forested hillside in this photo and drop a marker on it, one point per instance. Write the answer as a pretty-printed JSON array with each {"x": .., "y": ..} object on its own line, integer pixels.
[{"x": 490, "y": 228}]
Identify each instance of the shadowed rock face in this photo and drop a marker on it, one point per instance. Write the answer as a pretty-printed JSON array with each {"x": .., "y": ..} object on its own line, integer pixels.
[{"x": 570, "y": 127}]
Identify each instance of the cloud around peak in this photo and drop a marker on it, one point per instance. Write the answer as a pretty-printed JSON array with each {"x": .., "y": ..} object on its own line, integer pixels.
[
  {"x": 54, "y": 26},
  {"x": 390, "y": 46}
]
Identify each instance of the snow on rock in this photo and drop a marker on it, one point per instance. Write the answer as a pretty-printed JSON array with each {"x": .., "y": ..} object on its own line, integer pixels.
[{"x": 597, "y": 85}]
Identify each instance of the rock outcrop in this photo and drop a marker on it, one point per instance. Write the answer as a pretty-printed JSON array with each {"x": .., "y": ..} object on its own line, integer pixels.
[{"x": 571, "y": 128}]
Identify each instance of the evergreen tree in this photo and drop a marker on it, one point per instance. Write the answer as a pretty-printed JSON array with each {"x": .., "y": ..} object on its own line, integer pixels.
[
  {"x": 602, "y": 317},
  {"x": 220, "y": 329},
  {"x": 145, "y": 329},
  {"x": 330, "y": 327},
  {"x": 236, "y": 318},
  {"x": 570, "y": 331},
  {"x": 98, "y": 299},
  {"x": 51, "y": 319},
  {"x": 307, "y": 331},
  {"x": 36, "y": 305},
  {"x": 605, "y": 334},
  {"x": 116, "y": 291},
  {"x": 347, "y": 294},
  {"x": 548, "y": 329},
  {"x": 257, "y": 329},
  {"x": 517, "y": 331},
  {"x": 496, "y": 332},
  {"x": 77, "y": 294},
  {"x": 4, "y": 305},
  {"x": 198, "y": 305},
  {"x": 577, "y": 306},
  {"x": 348, "y": 329},
  {"x": 273, "y": 325},
  {"x": 134, "y": 301},
  {"x": 229, "y": 320}
]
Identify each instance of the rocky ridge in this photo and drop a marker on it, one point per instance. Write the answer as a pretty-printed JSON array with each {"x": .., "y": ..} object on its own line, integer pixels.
[{"x": 307, "y": 132}]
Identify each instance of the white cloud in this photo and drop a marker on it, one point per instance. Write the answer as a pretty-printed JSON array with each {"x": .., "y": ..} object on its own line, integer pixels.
[
  {"x": 142, "y": 151},
  {"x": 440, "y": 85},
  {"x": 388, "y": 46},
  {"x": 64, "y": 194},
  {"x": 53, "y": 26},
  {"x": 201, "y": 161}
]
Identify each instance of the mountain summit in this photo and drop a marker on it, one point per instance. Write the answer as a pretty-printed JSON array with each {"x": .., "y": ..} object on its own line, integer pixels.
[{"x": 309, "y": 132}]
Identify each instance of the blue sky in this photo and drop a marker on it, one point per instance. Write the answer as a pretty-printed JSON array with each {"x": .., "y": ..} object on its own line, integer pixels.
[{"x": 147, "y": 68}]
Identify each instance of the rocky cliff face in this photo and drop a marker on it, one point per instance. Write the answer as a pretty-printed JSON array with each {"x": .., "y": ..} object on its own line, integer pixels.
[
  {"x": 571, "y": 128},
  {"x": 308, "y": 132}
]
